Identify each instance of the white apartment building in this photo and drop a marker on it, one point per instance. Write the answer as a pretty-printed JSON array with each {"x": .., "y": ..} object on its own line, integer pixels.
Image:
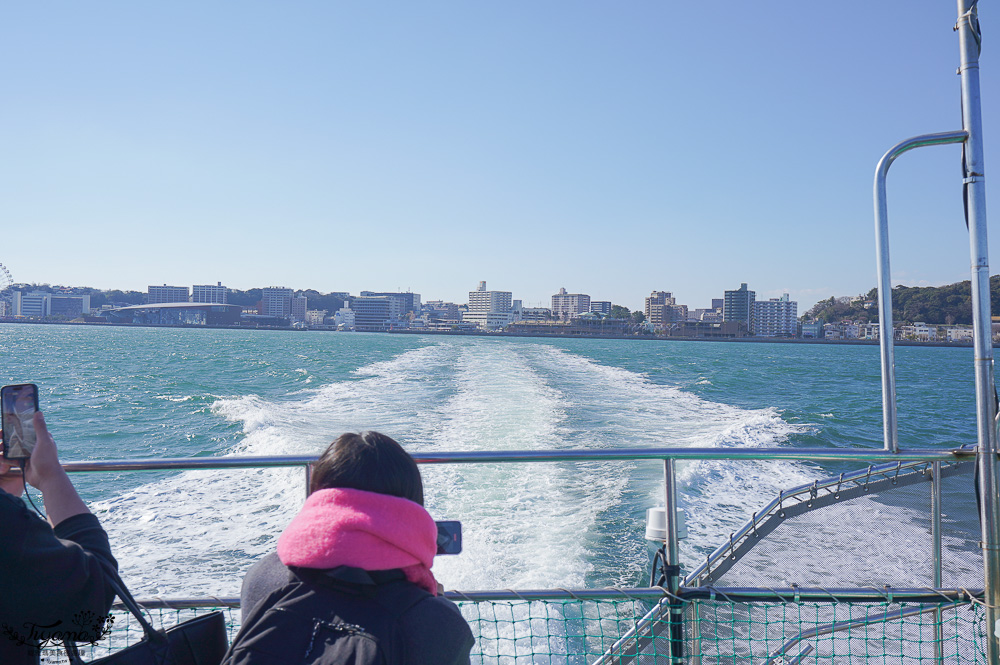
[
  {"x": 919, "y": 331},
  {"x": 489, "y": 310},
  {"x": 32, "y": 304},
  {"x": 869, "y": 331},
  {"x": 570, "y": 304},
  {"x": 344, "y": 318},
  {"x": 207, "y": 293},
  {"x": 963, "y": 334},
  {"x": 315, "y": 317},
  {"x": 276, "y": 301},
  {"x": 161, "y": 294},
  {"x": 777, "y": 317}
]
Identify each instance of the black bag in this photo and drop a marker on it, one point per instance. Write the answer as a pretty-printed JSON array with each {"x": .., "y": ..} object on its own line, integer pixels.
[
  {"x": 198, "y": 641},
  {"x": 344, "y": 615}
]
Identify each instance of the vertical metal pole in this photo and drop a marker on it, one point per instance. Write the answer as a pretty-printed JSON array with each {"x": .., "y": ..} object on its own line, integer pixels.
[
  {"x": 975, "y": 189},
  {"x": 885, "y": 334},
  {"x": 936, "y": 547},
  {"x": 889, "y": 430},
  {"x": 676, "y": 614},
  {"x": 309, "y": 476},
  {"x": 696, "y": 627}
]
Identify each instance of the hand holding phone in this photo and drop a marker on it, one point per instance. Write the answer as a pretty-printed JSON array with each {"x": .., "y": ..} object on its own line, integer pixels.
[{"x": 18, "y": 404}]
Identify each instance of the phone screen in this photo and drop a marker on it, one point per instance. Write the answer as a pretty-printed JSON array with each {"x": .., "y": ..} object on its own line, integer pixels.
[
  {"x": 449, "y": 540},
  {"x": 17, "y": 410}
]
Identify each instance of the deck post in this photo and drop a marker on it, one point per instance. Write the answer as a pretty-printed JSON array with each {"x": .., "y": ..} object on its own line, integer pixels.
[
  {"x": 937, "y": 554},
  {"x": 975, "y": 201},
  {"x": 673, "y": 568}
]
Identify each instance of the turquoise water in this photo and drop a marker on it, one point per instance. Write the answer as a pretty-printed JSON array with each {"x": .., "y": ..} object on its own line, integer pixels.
[{"x": 111, "y": 393}]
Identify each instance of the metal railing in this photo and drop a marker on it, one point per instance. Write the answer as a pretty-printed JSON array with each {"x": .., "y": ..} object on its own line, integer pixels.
[{"x": 667, "y": 603}]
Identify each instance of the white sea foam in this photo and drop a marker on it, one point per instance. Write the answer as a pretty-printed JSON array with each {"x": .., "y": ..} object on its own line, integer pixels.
[{"x": 526, "y": 525}]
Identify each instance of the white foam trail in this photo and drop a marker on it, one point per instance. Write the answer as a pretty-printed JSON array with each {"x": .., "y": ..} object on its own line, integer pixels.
[{"x": 526, "y": 525}]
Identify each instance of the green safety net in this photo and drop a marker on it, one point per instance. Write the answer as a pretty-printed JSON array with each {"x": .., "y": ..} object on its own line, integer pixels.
[{"x": 575, "y": 631}]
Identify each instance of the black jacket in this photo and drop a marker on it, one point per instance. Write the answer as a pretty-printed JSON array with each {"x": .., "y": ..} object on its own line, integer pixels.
[
  {"x": 51, "y": 580},
  {"x": 432, "y": 631}
]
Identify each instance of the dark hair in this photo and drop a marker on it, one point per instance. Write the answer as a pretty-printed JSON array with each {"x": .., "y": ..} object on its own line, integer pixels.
[{"x": 368, "y": 461}]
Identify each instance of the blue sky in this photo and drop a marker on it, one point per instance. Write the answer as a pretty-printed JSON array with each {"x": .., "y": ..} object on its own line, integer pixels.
[{"x": 608, "y": 148}]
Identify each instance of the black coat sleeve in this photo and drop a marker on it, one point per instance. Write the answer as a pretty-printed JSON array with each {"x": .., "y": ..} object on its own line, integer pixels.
[{"x": 53, "y": 577}]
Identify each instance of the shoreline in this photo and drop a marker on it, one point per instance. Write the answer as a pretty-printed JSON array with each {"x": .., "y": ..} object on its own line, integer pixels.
[{"x": 640, "y": 338}]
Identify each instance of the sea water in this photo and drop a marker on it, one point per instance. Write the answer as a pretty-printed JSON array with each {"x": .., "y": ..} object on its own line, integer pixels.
[{"x": 117, "y": 393}]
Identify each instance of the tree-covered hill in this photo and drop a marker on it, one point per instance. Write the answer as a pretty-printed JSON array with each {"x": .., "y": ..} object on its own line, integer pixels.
[{"x": 940, "y": 305}]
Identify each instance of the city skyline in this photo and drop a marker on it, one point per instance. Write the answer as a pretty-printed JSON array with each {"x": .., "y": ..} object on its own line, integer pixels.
[
  {"x": 192, "y": 294},
  {"x": 610, "y": 150}
]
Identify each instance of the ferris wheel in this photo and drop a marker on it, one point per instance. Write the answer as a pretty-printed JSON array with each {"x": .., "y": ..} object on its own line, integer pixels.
[{"x": 6, "y": 281}]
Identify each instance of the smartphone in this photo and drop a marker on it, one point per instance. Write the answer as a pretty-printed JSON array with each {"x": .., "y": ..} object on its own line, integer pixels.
[
  {"x": 449, "y": 539},
  {"x": 17, "y": 410}
]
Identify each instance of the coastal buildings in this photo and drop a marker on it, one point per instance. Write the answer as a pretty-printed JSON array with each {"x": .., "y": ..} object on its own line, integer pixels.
[
  {"x": 409, "y": 303},
  {"x": 489, "y": 310},
  {"x": 208, "y": 293},
  {"x": 178, "y": 314},
  {"x": 376, "y": 313},
  {"x": 777, "y": 317},
  {"x": 570, "y": 305},
  {"x": 601, "y": 307},
  {"x": 164, "y": 293},
  {"x": 276, "y": 301},
  {"x": 344, "y": 318},
  {"x": 297, "y": 308},
  {"x": 738, "y": 306},
  {"x": 659, "y": 309},
  {"x": 39, "y": 304}
]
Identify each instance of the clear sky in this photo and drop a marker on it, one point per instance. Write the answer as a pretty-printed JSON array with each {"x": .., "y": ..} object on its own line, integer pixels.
[{"x": 611, "y": 148}]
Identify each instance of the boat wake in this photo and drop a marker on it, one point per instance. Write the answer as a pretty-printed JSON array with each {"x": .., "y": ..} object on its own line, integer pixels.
[{"x": 526, "y": 525}]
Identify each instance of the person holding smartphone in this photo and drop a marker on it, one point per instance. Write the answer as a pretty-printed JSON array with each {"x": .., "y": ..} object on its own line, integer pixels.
[
  {"x": 351, "y": 580},
  {"x": 52, "y": 572}
]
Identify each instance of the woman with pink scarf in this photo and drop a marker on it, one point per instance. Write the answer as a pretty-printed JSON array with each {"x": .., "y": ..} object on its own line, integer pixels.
[{"x": 351, "y": 579}]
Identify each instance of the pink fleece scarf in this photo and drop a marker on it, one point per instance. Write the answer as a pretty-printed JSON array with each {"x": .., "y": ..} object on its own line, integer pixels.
[{"x": 346, "y": 527}]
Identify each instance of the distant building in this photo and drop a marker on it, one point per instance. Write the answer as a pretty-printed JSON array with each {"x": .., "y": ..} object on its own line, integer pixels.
[
  {"x": 963, "y": 334},
  {"x": 777, "y": 317},
  {"x": 812, "y": 330},
  {"x": 316, "y": 317},
  {"x": 570, "y": 305},
  {"x": 706, "y": 315},
  {"x": 659, "y": 309},
  {"x": 162, "y": 294},
  {"x": 738, "y": 306},
  {"x": 297, "y": 308},
  {"x": 919, "y": 331},
  {"x": 535, "y": 314},
  {"x": 489, "y": 310},
  {"x": 344, "y": 318},
  {"x": 408, "y": 302},
  {"x": 34, "y": 304},
  {"x": 440, "y": 310},
  {"x": 178, "y": 314},
  {"x": 208, "y": 293},
  {"x": 870, "y": 331},
  {"x": 69, "y": 307},
  {"x": 376, "y": 313},
  {"x": 276, "y": 301},
  {"x": 718, "y": 303},
  {"x": 601, "y": 307}
]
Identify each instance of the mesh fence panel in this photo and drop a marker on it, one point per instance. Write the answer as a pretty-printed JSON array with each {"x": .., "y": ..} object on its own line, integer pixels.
[
  {"x": 578, "y": 632},
  {"x": 725, "y": 632}
]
